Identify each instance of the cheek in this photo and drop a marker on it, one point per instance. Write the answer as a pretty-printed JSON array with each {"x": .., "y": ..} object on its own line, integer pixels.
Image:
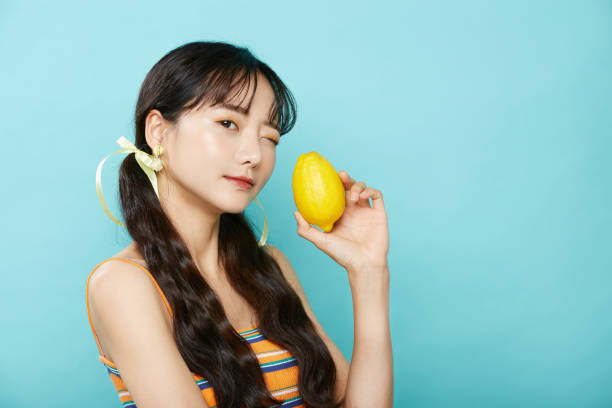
[
  {"x": 268, "y": 163},
  {"x": 272, "y": 157},
  {"x": 196, "y": 159}
]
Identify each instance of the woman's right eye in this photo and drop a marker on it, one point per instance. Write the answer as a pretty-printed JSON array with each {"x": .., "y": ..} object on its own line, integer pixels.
[{"x": 226, "y": 121}]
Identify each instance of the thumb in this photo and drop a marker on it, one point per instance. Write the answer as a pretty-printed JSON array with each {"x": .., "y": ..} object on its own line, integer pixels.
[{"x": 305, "y": 230}]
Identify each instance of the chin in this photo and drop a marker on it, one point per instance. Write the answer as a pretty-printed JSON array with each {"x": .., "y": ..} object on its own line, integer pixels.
[{"x": 236, "y": 208}]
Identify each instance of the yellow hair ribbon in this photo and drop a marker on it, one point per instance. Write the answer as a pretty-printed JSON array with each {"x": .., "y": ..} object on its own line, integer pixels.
[
  {"x": 264, "y": 234},
  {"x": 148, "y": 163}
]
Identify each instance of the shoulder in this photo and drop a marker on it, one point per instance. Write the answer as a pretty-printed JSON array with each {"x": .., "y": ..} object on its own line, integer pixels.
[
  {"x": 120, "y": 293},
  {"x": 293, "y": 279},
  {"x": 114, "y": 277},
  {"x": 133, "y": 327},
  {"x": 291, "y": 276},
  {"x": 285, "y": 266}
]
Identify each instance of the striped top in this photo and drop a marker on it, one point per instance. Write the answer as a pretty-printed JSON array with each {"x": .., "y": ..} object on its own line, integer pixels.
[{"x": 279, "y": 367}]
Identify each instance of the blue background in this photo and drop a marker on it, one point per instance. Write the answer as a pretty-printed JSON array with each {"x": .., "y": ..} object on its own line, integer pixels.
[{"x": 486, "y": 125}]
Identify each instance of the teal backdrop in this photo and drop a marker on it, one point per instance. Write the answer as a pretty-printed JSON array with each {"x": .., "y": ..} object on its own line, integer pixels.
[{"x": 486, "y": 124}]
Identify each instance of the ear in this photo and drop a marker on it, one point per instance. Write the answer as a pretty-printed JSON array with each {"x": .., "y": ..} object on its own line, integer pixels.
[{"x": 155, "y": 128}]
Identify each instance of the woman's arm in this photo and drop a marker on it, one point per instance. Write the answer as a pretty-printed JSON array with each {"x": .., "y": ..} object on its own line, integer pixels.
[{"x": 370, "y": 380}]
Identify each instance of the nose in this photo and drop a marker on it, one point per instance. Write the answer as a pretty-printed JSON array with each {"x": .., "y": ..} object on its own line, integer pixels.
[{"x": 249, "y": 150}]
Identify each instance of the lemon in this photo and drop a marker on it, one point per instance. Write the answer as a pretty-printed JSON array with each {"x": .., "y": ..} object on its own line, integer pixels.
[{"x": 318, "y": 191}]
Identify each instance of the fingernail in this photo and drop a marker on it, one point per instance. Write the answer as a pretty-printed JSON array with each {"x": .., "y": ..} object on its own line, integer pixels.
[{"x": 354, "y": 196}]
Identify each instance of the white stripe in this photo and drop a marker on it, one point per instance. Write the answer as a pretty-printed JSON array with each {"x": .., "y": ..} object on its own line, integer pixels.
[
  {"x": 121, "y": 394},
  {"x": 284, "y": 391},
  {"x": 272, "y": 353}
]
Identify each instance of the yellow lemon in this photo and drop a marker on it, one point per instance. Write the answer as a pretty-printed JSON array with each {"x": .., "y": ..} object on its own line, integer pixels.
[{"x": 318, "y": 191}]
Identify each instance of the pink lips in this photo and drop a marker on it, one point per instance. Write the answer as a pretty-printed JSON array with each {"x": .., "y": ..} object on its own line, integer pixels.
[{"x": 239, "y": 182}]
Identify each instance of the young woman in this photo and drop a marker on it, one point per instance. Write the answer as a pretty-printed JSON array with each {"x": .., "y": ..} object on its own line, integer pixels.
[{"x": 195, "y": 312}]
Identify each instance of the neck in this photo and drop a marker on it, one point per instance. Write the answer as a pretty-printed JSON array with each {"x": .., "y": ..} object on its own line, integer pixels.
[{"x": 197, "y": 222}]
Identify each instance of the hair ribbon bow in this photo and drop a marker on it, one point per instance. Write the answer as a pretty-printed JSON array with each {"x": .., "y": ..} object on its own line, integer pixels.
[{"x": 147, "y": 162}]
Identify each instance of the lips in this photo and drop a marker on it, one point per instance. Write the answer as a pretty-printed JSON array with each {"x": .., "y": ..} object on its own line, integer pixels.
[
  {"x": 240, "y": 181},
  {"x": 245, "y": 179}
]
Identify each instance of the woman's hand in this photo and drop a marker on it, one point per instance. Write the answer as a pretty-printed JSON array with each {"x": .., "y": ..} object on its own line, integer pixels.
[{"x": 360, "y": 237}]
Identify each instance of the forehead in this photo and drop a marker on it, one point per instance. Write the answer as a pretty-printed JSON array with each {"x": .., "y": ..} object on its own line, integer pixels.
[{"x": 250, "y": 94}]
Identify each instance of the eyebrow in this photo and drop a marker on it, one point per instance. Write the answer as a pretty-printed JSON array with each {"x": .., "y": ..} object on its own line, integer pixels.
[{"x": 243, "y": 111}]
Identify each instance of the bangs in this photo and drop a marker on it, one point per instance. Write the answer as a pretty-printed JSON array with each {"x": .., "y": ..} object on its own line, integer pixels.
[{"x": 224, "y": 85}]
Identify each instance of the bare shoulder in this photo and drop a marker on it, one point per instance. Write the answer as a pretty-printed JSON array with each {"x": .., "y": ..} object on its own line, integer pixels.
[
  {"x": 284, "y": 263},
  {"x": 291, "y": 276},
  {"x": 115, "y": 285},
  {"x": 133, "y": 328},
  {"x": 340, "y": 360},
  {"x": 115, "y": 277}
]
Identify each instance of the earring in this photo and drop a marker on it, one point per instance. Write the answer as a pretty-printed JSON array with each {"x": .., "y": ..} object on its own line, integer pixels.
[{"x": 158, "y": 150}]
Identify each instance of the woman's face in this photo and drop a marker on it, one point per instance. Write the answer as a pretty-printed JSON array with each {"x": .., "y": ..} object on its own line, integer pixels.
[{"x": 210, "y": 143}]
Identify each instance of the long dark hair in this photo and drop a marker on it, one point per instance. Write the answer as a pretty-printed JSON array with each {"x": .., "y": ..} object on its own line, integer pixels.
[{"x": 211, "y": 347}]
